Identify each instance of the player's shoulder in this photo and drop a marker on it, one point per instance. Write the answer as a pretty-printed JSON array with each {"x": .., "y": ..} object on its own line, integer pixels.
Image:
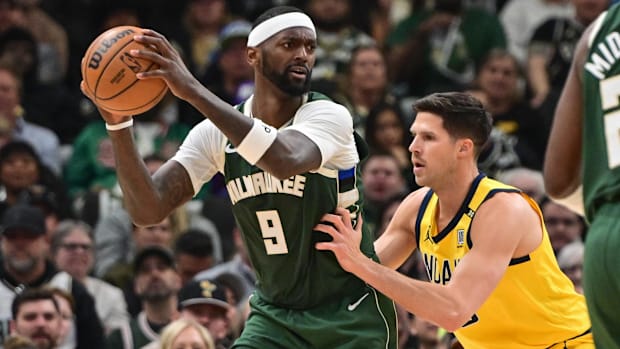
[
  {"x": 413, "y": 201},
  {"x": 313, "y": 96},
  {"x": 319, "y": 105},
  {"x": 506, "y": 203}
]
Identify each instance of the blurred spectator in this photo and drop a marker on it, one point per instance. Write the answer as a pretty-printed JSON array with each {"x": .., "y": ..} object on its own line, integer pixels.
[
  {"x": 121, "y": 273},
  {"x": 529, "y": 181},
  {"x": 193, "y": 253},
  {"x": 374, "y": 17},
  {"x": 36, "y": 316},
  {"x": 422, "y": 334},
  {"x": 72, "y": 251},
  {"x": 239, "y": 266},
  {"x": 497, "y": 86},
  {"x": 25, "y": 179},
  {"x": 229, "y": 75},
  {"x": 336, "y": 39},
  {"x": 117, "y": 13},
  {"x": 218, "y": 211},
  {"x": 206, "y": 302},
  {"x": 563, "y": 225},
  {"x": 570, "y": 260},
  {"x": 387, "y": 131},
  {"x": 438, "y": 49},
  {"x": 251, "y": 9},
  {"x": 24, "y": 264},
  {"x": 389, "y": 208},
  {"x": 196, "y": 37},
  {"x": 92, "y": 164},
  {"x": 520, "y": 18},
  {"x": 498, "y": 154},
  {"x": 52, "y": 41},
  {"x": 185, "y": 333},
  {"x": 366, "y": 84},
  {"x": 66, "y": 306},
  {"x": 203, "y": 20},
  {"x": 13, "y": 125},
  {"x": 51, "y": 106},
  {"x": 156, "y": 283},
  {"x": 383, "y": 179},
  {"x": 551, "y": 48},
  {"x": 9, "y": 15}
]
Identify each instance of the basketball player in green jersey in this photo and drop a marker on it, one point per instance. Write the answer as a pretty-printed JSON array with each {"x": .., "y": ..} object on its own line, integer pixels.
[
  {"x": 584, "y": 149},
  {"x": 495, "y": 282},
  {"x": 288, "y": 157}
]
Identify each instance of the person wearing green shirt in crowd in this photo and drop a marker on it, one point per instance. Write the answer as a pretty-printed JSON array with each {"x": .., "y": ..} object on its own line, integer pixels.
[{"x": 438, "y": 49}]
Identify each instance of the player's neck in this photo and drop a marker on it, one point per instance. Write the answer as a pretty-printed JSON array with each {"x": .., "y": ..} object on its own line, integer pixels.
[
  {"x": 274, "y": 109},
  {"x": 453, "y": 190}
]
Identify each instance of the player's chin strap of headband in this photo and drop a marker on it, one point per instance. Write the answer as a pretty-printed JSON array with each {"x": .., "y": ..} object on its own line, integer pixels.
[{"x": 276, "y": 24}]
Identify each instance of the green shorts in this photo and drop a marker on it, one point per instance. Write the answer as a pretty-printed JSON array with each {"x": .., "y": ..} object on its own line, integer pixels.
[
  {"x": 601, "y": 279},
  {"x": 366, "y": 320}
]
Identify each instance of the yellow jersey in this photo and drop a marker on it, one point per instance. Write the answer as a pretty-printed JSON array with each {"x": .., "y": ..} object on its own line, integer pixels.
[{"x": 533, "y": 306}]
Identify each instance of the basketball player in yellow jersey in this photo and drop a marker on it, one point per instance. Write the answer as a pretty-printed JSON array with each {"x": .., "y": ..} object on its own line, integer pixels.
[{"x": 495, "y": 282}]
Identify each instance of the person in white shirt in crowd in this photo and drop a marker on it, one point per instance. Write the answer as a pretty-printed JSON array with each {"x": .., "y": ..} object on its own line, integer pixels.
[{"x": 72, "y": 251}]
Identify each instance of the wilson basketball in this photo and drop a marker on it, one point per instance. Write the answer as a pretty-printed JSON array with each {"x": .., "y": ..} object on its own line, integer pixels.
[{"x": 109, "y": 72}]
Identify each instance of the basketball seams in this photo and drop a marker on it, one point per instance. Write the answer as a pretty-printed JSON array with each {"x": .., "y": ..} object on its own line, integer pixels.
[
  {"x": 141, "y": 109},
  {"x": 132, "y": 95}
]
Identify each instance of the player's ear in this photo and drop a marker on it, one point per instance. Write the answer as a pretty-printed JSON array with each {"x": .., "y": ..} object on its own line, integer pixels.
[
  {"x": 253, "y": 55},
  {"x": 465, "y": 146}
]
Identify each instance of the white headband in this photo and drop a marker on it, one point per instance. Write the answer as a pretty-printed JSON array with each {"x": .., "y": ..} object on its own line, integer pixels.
[{"x": 276, "y": 24}]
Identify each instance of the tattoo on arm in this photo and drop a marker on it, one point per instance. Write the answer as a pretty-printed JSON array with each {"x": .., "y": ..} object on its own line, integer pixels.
[{"x": 174, "y": 185}]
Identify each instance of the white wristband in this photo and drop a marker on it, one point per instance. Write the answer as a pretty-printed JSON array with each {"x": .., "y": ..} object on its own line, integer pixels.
[
  {"x": 120, "y": 126},
  {"x": 255, "y": 144}
]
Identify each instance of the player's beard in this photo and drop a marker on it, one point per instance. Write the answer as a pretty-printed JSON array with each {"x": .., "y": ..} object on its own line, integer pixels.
[{"x": 283, "y": 81}]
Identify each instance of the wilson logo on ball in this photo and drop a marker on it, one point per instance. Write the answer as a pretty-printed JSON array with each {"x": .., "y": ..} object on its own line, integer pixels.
[
  {"x": 109, "y": 73},
  {"x": 97, "y": 56}
]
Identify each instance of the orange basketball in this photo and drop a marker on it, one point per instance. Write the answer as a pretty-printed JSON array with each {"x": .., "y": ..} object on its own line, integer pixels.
[{"x": 109, "y": 72}]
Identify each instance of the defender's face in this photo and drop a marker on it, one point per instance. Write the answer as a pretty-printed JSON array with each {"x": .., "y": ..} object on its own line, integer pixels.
[
  {"x": 433, "y": 150},
  {"x": 288, "y": 59}
]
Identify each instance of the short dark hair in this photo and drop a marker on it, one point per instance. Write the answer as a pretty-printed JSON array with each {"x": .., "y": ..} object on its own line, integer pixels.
[
  {"x": 273, "y": 12},
  {"x": 194, "y": 242},
  {"x": 463, "y": 116},
  {"x": 33, "y": 294}
]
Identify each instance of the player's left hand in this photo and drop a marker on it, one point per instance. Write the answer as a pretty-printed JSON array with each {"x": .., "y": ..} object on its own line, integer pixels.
[
  {"x": 346, "y": 240},
  {"x": 172, "y": 69}
]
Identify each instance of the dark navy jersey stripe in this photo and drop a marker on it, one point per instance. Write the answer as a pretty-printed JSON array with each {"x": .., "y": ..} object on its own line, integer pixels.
[
  {"x": 463, "y": 210},
  {"x": 423, "y": 207},
  {"x": 519, "y": 260}
]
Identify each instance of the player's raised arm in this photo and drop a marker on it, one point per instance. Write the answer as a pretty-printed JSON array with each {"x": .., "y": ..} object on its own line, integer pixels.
[
  {"x": 284, "y": 153},
  {"x": 148, "y": 200}
]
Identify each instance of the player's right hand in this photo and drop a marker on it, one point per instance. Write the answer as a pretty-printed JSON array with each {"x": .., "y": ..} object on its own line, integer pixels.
[{"x": 109, "y": 117}]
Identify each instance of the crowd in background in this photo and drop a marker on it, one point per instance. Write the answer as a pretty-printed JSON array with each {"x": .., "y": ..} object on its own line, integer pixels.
[{"x": 118, "y": 285}]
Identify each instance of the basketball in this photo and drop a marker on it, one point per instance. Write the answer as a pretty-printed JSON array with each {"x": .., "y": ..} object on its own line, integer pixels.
[{"x": 109, "y": 73}]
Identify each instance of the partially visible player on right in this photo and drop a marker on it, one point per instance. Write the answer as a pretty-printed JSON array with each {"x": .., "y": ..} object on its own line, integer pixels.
[{"x": 584, "y": 149}]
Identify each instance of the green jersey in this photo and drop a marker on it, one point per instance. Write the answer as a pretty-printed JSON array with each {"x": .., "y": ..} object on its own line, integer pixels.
[
  {"x": 601, "y": 129},
  {"x": 277, "y": 217}
]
